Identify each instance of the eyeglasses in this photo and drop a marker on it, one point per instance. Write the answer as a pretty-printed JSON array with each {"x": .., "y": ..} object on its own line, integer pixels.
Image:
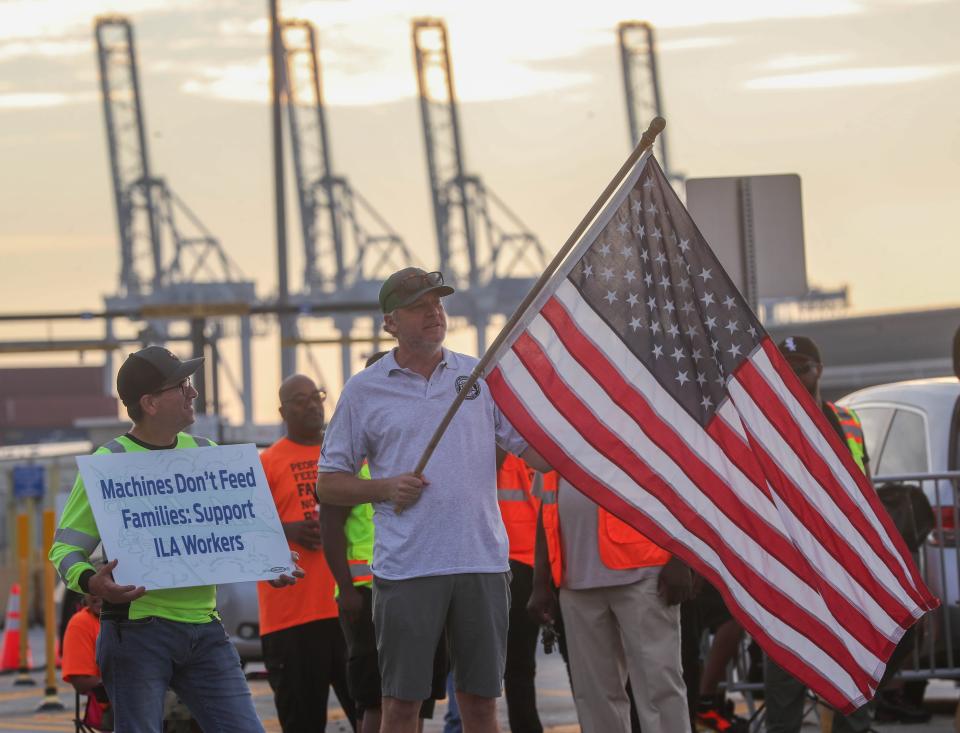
[
  {"x": 183, "y": 386},
  {"x": 418, "y": 281},
  {"x": 302, "y": 400}
]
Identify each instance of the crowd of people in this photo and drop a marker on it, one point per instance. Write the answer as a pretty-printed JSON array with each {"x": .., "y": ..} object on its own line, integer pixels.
[{"x": 412, "y": 585}]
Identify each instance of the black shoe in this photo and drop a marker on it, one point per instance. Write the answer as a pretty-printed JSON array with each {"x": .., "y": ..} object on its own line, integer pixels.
[{"x": 892, "y": 708}]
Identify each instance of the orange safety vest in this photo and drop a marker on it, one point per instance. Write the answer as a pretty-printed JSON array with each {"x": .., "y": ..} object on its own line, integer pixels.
[
  {"x": 620, "y": 546},
  {"x": 518, "y": 507}
]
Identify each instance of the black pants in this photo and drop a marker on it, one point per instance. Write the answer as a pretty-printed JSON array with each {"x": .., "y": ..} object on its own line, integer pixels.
[
  {"x": 691, "y": 630},
  {"x": 302, "y": 663},
  {"x": 518, "y": 678}
]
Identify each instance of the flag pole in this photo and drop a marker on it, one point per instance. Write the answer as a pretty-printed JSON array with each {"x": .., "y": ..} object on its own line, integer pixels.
[{"x": 646, "y": 140}]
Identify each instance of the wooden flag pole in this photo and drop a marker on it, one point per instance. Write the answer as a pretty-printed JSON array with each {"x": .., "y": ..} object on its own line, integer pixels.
[{"x": 655, "y": 128}]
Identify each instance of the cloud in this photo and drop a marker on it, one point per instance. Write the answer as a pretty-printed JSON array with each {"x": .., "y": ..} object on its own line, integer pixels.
[
  {"x": 39, "y": 100},
  {"x": 365, "y": 44},
  {"x": 695, "y": 43},
  {"x": 44, "y": 49},
  {"x": 238, "y": 27},
  {"x": 788, "y": 62},
  {"x": 44, "y": 19},
  {"x": 382, "y": 83},
  {"x": 232, "y": 82},
  {"x": 852, "y": 77},
  {"x": 366, "y": 48}
]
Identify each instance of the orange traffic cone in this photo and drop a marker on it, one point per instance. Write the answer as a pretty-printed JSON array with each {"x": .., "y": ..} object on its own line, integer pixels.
[{"x": 10, "y": 648}]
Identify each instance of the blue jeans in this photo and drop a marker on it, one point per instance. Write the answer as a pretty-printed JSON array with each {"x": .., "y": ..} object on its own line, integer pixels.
[
  {"x": 140, "y": 659},
  {"x": 451, "y": 720}
]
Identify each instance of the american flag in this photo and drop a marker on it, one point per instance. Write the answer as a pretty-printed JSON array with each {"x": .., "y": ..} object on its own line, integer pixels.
[{"x": 643, "y": 377}]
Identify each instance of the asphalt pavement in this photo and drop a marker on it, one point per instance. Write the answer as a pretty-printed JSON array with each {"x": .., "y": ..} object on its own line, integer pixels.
[{"x": 18, "y": 704}]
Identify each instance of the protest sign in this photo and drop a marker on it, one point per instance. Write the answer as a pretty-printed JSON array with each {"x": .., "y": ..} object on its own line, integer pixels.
[{"x": 176, "y": 518}]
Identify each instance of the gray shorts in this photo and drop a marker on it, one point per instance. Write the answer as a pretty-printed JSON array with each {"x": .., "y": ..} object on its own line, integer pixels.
[{"x": 409, "y": 616}]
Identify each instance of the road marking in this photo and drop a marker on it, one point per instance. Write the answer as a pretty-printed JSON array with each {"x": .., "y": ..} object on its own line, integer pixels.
[
  {"x": 21, "y": 694},
  {"x": 29, "y": 725}
]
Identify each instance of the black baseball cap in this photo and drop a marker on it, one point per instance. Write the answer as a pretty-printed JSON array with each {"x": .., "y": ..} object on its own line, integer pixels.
[
  {"x": 404, "y": 287},
  {"x": 150, "y": 370},
  {"x": 800, "y": 346}
]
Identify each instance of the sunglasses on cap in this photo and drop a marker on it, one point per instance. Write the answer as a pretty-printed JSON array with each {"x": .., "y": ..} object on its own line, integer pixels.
[{"x": 418, "y": 281}]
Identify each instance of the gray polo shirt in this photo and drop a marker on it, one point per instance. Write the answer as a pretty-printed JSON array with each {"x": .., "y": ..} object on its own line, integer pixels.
[{"x": 386, "y": 415}]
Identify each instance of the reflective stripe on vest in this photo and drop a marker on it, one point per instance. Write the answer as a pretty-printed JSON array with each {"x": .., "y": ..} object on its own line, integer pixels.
[
  {"x": 546, "y": 495},
  {"x": 545, "y": 488},
  {"x": 358, "y": 568},
  {"x": 76, "y": 538},
  {"x": 360, "y": 572},
  {"x": 70, "y": 560},
  {"x": 518, "y": 508},
  {"x": 852, "y": 432}
]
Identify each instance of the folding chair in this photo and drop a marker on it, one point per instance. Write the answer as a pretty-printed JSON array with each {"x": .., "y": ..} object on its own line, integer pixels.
[{"x": 93, "y": 717}]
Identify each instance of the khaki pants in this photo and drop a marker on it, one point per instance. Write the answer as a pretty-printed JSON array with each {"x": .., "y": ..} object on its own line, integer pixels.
[{"x": 619, "y": 630}]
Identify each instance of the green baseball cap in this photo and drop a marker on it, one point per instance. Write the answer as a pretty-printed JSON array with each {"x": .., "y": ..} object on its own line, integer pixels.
[{"x": 404, "y": 287}]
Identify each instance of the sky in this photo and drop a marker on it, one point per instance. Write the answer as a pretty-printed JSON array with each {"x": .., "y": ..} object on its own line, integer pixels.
[{"x": 861, "y": 98}]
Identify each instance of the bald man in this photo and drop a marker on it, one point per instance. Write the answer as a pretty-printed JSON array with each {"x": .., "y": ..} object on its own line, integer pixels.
[{"x": 303, "y": 646}]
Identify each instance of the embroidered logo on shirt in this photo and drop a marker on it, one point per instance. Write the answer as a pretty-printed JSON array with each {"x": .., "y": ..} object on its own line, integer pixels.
[{"x": 474, "y": 390}]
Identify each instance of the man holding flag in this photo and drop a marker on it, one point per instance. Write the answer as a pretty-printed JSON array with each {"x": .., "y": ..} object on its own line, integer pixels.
[
  {"x": 638, "y": 371},
  {"x": 440, "y": 558}
]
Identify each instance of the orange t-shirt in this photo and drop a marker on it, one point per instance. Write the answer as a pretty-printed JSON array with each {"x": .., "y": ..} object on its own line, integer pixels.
[
  {"x": 291, "y": 471},
  {"x": 80, "y": 645}
]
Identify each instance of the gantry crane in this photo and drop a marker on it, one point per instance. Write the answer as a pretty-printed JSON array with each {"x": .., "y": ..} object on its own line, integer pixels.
[
  {"x": 641, "y": 82},
  {"x": 349, "y": 248},
  {"x": 638, "y": 57},
  {"x": 484, "y": 248},
  {"x": 169, "y": 261}
]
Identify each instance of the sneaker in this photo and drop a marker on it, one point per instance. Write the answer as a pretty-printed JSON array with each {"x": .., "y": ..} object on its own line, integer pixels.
[{"x": 714, "y": 718}]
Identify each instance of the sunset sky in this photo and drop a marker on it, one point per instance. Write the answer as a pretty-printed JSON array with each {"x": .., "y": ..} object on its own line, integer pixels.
[{"x": 861, "y": 98}]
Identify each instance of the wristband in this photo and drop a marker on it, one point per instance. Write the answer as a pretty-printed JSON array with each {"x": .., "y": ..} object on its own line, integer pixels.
[{"x": 84, "y": 580}]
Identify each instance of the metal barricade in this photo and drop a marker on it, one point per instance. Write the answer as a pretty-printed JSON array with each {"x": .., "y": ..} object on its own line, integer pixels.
[
  {"x": 935, "y": 655},
  {"x": 936, "y": 651}
]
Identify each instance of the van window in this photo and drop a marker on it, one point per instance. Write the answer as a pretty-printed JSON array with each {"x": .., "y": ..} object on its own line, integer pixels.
[
  {"x": 905, "y": 449},
  {"x": 875, "y": 421}
]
